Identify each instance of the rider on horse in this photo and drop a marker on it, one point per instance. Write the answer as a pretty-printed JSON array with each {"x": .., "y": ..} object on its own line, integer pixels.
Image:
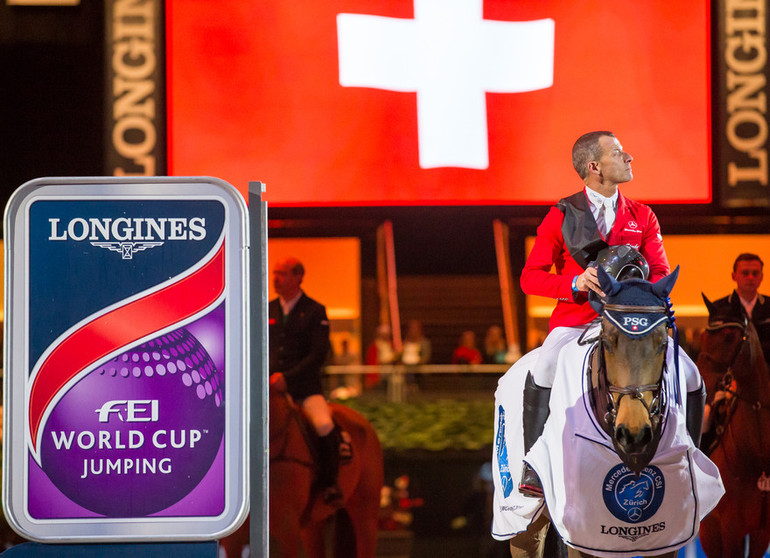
[
  {"x": 299, "y": 346},
  {"x": 568, "y": 240},
  {"x": 745, "y": 304}
]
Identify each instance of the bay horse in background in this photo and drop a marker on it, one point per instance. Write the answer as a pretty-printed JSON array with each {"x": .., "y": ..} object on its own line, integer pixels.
[
  {"x": 297, "y": 511},
  {"x": 731, "y": 361}
]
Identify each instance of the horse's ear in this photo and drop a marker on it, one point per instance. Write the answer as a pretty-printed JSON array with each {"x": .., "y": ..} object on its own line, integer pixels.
[
  {"x": 709, "y": 304},
  {"x": 663, "y": 286},
  {"x": 607, "y": 282}
]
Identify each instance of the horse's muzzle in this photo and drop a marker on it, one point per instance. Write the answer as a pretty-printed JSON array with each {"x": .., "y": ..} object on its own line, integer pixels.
[{"x": 635, "y": 449}]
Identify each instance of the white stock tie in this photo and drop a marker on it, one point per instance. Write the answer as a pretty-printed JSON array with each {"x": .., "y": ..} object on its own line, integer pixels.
[{"x": 606, "y": 217}]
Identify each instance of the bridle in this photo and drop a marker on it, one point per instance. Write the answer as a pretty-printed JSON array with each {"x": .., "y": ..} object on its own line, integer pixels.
[
  {"x": 727, "y": 375},
  {"x": 606, "y": 390}
]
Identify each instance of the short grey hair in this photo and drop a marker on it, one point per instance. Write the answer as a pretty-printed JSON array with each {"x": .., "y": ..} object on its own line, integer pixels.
[{"x": 587, "y": 149}]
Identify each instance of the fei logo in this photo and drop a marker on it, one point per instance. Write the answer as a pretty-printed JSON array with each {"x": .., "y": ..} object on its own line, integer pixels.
[
  {"x": 451, "y": 77},
  {"x": 134, "y": 410},
  {"x": 630, "y": 498}
]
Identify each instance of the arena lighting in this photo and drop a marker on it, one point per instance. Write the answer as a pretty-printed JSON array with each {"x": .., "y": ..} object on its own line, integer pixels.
[{"x": 344, "y": 115}]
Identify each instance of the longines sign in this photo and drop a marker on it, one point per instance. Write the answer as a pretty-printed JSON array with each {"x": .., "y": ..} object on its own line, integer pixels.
[
  {"x": 126, "y": 394},
  {"x": 741, "y": 126},
  {"x": 135, "y": 109}
]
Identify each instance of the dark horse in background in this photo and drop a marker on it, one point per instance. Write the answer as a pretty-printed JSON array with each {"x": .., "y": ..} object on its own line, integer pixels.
[
  {"x": 297, "y": 513},
  {"x": 731, "y": 361}
]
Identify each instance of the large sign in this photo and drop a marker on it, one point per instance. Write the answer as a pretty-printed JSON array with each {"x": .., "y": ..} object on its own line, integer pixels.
[
  {"x": 125, "y": 359},
  {"x": 400, "y": 102},
  {"x": 741, "y": 124}
]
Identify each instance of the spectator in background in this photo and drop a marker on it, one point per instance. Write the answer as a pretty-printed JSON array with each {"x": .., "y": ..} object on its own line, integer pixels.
[
  {"x": 495, "y": 349},
  {"x": 350, "y": 384},
  {"x": 466, "y": 351},
  {"x": 380, "y": 352},
  {"x": 417, "y": 348}
]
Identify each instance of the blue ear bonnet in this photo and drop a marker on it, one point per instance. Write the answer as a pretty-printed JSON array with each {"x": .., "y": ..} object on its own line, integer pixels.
[
  {"x": 635, "y": 306},
  {"x": 635, "y": 293}
]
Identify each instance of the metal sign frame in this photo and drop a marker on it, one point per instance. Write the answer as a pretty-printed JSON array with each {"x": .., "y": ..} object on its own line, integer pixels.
[{"x": 134, "y": 275}]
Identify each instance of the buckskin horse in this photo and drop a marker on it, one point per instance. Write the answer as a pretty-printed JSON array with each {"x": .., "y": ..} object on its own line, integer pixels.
[
  {"x": 297, "y": 512},
  {"x": 731, "y": 361},
  {"x": 637, "y": 484}
]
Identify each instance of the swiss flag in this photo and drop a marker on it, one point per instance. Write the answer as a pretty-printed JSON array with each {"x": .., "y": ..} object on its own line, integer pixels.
[{"x": 394, "y": 102}]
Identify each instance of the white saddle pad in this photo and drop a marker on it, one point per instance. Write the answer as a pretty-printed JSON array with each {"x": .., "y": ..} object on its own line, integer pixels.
[{"x": 597, "y": 504}]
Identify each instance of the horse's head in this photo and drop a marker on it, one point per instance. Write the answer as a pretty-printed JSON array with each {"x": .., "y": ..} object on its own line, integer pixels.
[
  {"x": 635, "y": 320},
  {"x": 729, "y": 344}
]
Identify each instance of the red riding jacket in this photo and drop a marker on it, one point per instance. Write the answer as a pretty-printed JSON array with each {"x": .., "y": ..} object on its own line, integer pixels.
[{"x": 550, "y": 268}]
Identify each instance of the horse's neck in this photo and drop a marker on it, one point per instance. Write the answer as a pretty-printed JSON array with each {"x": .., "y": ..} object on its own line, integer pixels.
[{"x": 751, "y": 372}]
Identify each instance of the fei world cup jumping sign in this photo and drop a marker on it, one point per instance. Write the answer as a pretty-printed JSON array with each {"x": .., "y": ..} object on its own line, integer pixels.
[{"x": 126, "y": 392}]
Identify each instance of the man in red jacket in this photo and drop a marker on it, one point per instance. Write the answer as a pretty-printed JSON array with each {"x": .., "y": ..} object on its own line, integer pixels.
[{"x": 568, "y": 239}]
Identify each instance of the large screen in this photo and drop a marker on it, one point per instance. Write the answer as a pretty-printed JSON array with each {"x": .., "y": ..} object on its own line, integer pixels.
[{"x": 437, "y": 102}]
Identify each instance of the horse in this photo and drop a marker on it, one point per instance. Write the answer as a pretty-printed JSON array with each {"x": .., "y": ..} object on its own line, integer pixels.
[
  {"x": 731, "y": 361},
  {"x": 297, "y": 511},
  {"x": 627, "y": 399}
]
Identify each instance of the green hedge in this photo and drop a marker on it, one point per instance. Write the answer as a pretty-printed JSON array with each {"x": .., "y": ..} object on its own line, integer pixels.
[{"x": 435, "y": 425}]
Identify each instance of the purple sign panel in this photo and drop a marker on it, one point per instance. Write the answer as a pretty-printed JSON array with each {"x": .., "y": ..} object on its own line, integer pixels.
[{"x": 126, "y": 359}]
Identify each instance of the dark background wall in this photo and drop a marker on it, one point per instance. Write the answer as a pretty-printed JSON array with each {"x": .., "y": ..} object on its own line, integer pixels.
[{"x": 51, "y": 92}]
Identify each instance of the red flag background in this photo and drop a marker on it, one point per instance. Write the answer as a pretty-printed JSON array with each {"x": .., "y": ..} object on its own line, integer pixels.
[{"x": 255, "y": 94}]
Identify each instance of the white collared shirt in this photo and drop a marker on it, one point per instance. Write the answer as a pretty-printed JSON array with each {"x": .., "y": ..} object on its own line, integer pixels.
[
  {"x": 288, "y": 305},
  {"x": 748, "y": 305},
  {"x": 597, "y": 201}
]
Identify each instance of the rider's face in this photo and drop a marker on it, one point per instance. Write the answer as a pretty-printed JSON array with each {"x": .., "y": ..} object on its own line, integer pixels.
[{"x": 748, "y": 277}]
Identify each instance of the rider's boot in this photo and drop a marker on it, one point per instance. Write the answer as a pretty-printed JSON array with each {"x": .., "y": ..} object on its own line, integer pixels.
[
  {"x": 535, "y": 414},
  {"x": 696, "y": 401},
  {"x": 332, "y": 449}
]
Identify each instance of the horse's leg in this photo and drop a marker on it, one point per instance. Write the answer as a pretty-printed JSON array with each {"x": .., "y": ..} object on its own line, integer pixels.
[
  {"x": 363, "y": 508},
  {"x": 531, "y": 543},
  {"x": 345, "y": 540},
  {"x": 711, "y": 535},
  {"x": 234, "y": 544},
  {"x": 758, "y": 543},
  {"x": 733, "y": 539},
  {"x": 284, "y": 532},
  {"x": 314, "y": 540}
]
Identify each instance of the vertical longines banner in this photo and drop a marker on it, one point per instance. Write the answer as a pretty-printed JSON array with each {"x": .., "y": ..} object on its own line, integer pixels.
[
  {"x": 741, "y": 123},
  {"x": 126, "y": 393}
]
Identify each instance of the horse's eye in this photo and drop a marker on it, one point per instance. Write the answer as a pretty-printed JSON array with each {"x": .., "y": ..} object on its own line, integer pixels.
[{"x": 609, "y": 342}]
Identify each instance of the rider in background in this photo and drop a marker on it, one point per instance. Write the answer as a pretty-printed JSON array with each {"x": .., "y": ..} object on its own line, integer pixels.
[
  {"x": 568, "y": 240},
  {"x": 299, "y": 346},
  {"x": 746, "y": 301}
]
